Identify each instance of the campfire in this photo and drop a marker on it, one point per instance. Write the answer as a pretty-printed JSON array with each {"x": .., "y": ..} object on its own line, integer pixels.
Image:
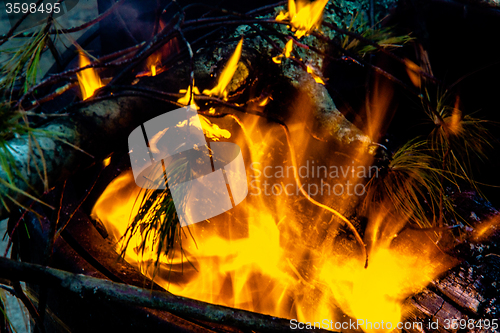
[
  {"x": 271, "y": 178},
  {"x": 267, "y": 256}
]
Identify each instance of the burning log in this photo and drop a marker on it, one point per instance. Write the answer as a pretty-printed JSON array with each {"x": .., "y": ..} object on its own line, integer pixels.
[
  {"x": 467, "y": 292},
  {"x": 464, "y": 298},
  {"x": 107, "y": 291}
]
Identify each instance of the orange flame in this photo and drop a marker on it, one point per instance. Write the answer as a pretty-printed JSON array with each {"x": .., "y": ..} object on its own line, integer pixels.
[
  {"x": 274, "y": 253},
  {"x": 153, "y": 61},
  {"x": 413, "y": 72},
  {"x": 304, "y": 16},
  {"x": 227, "y": 73},
  {"x": 189, "y": 97},
  {"x": 287, "y": 51},
  {"x": 485, "y": 229},
  {"x": 213, "y": 131},
  {"x": 88, "y": 78},
  {"x": 106, "y": 161},
  {"x": 315, "y": 76}
]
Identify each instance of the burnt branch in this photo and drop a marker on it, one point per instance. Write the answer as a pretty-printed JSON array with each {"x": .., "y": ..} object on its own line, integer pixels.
[{"x": 108, "y": 291}]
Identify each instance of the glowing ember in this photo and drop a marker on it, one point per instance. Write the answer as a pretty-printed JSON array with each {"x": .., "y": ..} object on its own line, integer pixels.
[
  {"x": 227, "y": 74},
  {"x": 304, "y": 16},
  {"x": 88, "y": 78}
]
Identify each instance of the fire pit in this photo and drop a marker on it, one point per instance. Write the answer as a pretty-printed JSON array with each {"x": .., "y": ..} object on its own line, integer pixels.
[{"x": 331, "y": 211}]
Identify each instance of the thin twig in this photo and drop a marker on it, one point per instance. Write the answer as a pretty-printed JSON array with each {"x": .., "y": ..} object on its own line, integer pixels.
[
  {"x": 124, "y": 94},
  {"x": 265, "y": 8},
  {"x": 73, "y": 29},
  {"x": 11, "y": 233},
  {"x": 61, "y": 229},
  {"x": 43, "y": 294},
  {"x": 168, "y": 33},
  {"x": 18, "y": 23},
  {"x": 66, "y": 74}
]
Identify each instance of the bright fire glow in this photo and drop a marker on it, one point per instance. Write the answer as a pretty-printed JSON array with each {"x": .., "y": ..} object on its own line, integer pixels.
[
  {"x": 227, "y": 74},
  {"x": 88, "y": 78},
  {"x": 271, "y": 254},
  {"x": 376, "y": 294},
  {"x": 303, "y": 15}
]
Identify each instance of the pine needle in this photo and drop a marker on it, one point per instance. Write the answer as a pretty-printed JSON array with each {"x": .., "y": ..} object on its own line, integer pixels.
[
  {"x": 156, "y": 220},
  {"x": 23, "y": 62}
]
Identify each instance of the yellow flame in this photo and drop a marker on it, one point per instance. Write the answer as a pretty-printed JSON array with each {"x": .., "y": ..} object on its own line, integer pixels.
[
  {"x": 106, "y": 161},
  {"x": 287, "y": 51},
  {"x": 268, "y": 255},
  {"x": 264, "y": 101},
  {"x": 213, "y": 131},
  {"x": 153, "y": 61},
  {"x": 189, "y": 96},
  {"x": 277, "y": 59},
  {"x": 155, "y": 139},
  {"x": 88, "y": 78},
  {"x": 316, "y": 77},
  {"x": 288, "y": 48},
  {"x": 304, "y": 16},
  {"x": 253, "y": 269},
  {"x": 227, "y": 74}
]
